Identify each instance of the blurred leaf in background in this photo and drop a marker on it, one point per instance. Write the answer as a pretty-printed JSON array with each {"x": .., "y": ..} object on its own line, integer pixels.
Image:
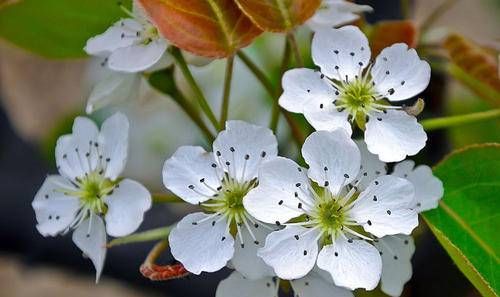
[
  {"x": 466, "y": 221},
  {"x": 55, "y": 28}
]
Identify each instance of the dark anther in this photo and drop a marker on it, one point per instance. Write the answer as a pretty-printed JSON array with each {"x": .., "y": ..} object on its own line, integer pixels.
[
  {"x": 300, "y": 205},
  {"x": 322, "y": 76},
  {"x": 256, "y": 225},
  {"x": 194, "y": 223},
  {"x": 108, "y": 159},
  {"x": 308, "y": 90},
  {"x": 406, "y": 241},
  {"x": 388, "y": 212},
  {"x": 228, "y": 163},
  {"x": 263, "y": 154},
  {"x": 219, "y": 188},
  {"x": 231, "y": 149},
  {"x": 50, "y": 217},
  {"x": 336, "y": 254},
  {"x": 297, "y": 185},
  {"x": 213, "y": 223},
  {"x": 247, "y": 156},
  {"x": 352, "y": 54},
  {"x": 278, "y": 223},
  {"x": 202, "y": 180},
  {"x": 336, "y": 67},
  {"x": 281, "y": 202},
  {"x": 391, "y": 91},
  {"x": 296, "y": 194},
  {"x": 376, "y": 183},
  {"x": 369, "y": 223},
  {"x": 299, "y": 169},
  {"x": 336, "y": 52},
  {"x": 360, "y": 63},
  {"x": 214, "y": 165},
  {"x": 218, "y": 153},
  {"x": 387, "y": 72},
  {"x": 374, "y": 198},
  {"x": 337, "y": 93},
  {"x": 325, "y": 168},
  {"x": 379, "y": 119},
  {"x": 223, "y": 238},
  {"x": 191, "y": 187},
  {"x": 321, "y": 105},
  {"x": 395, "y": 257},
  {"x": 346, "y": 175},
  {"x": 305, "y": 253},
  {"x": 326, "y": 183},
  {"x": 296, "y": 237},
  {"x": 46, "y": 196},
  {"x": 402, "y": 83},
  {"x": 256, "y": 242},
  {"x": 365, "y": 173},
  {"x": 242, "y": 245},
  {"x": 349, "y": 241}
]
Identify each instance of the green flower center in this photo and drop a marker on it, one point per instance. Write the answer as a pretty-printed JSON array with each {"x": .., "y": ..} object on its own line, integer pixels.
[
  {"x": 357, "y": 97},
  {"x": 149, "y": 34},
  {"x": 229, "y": 200},
  {"x": 92, "y": 189}
]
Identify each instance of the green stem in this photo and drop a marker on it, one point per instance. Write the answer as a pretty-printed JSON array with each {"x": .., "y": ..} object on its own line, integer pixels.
[
  {"x": 296, "y": 50},
  {"x": 452, "y": 121},
  {"x": 191, "y": 111},
  {"x": 226, "y": 91},
  {"x": 181, "y": 62},
  {"x": 268, "y": 86},
  {"x": 276, "y": 107},
  {"x": 166, "y": 198},
  {"x": 150, "y": 235}
]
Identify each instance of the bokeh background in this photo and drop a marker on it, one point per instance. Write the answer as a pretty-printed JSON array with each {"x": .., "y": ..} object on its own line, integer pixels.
[{"x": 40, "y": 97}]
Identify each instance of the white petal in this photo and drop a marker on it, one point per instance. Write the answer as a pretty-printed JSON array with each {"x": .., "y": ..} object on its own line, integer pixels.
[
  {"x": 399, "y": 73},
  {"x": 201, "y": 246},
  {"x": 192, "y": 174},
  {"x": 114, "y": 144},
  {"x": 324, "y": 116},
  {"x": 333, "y": 158},
  {"x": 244, "y": 147},
  {"x": 137, "y": 57},
  {"x": 352, "y": 47},
  {"x": 126, "y": 207},
  {"x": 333, "y": 13},
  {"x": 115, "y": 87},
  {"x": 303, "y": 86},
  {"x": 54, "y": 210},
  {"x": 384, "y": 207},
  {"x": 313, "y": 285},
  {"x": 394, "y": 135},
  {"x": 428, "y": 188},
  {"x": 274, "y": 199},
  {"x": 291, "y": 258},
  {"x": 90, "y": 238},
  {"x": 75, "y": 153},
  {"x": 354, "y": 264},
  {"x": 371, "y": 166},
  {"x": 396, "y": 254},
  {"x": 238, "y": 284},
  {"x": 121, "y": 34},
  {"x": 245, "y": 259}
]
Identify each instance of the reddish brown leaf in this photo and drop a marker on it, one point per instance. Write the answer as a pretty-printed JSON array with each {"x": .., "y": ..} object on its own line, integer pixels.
[
  {"x": 210, "y": 28},
  {"x": 278, "y": 15},
  {"x": 163, "y": 272},
  {"x": 387, "y": 33}
]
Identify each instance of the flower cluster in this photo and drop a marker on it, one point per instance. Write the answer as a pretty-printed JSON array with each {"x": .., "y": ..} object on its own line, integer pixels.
[{"x": 338, "y": 222}]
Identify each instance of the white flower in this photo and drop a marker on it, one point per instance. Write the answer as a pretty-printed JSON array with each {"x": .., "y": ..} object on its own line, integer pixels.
[
  {"x": 334, "y": 13},
  {"x": 345, "y": 90},
  {"x": 219, "y": 181},
  {"x": 88, "y": 195},
  {"x": 130, "y": 45},
  {"x": 328, "y": 223},
  {"x": 311, "y": 285},
  {"x": 397, "y": 250}
]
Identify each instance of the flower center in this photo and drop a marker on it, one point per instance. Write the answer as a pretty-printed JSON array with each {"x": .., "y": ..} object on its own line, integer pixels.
[
  {"x": 229, "y": 200},
  {"x": 149, "y": 34},
  {"x": 330, "y": 216},
  {"x": 357, "y": 97},
  {"x": 92, "y": 189}
]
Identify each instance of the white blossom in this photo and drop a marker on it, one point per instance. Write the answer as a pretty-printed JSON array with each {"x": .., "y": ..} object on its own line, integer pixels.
[
  {"x": 312, "y": 285},
  {"x": 349, "y": 89},
  {"x": 328, "y": 221},
  {"x": 218, "y": 182},
  {"x": 397, "y": 250},
  {"x": 334, "y": 13},
  {"x": 89, "y": 196}
]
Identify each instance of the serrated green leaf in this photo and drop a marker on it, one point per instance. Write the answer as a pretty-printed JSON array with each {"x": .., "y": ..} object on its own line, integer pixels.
[
  {"x": 467, "y": 218},
  {"x": 55, "y": 28}
]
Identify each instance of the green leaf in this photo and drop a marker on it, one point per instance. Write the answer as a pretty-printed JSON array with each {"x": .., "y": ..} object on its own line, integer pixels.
[
  {"x": 466, "y": 221},
  {"x": 55, "y": 28}
]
